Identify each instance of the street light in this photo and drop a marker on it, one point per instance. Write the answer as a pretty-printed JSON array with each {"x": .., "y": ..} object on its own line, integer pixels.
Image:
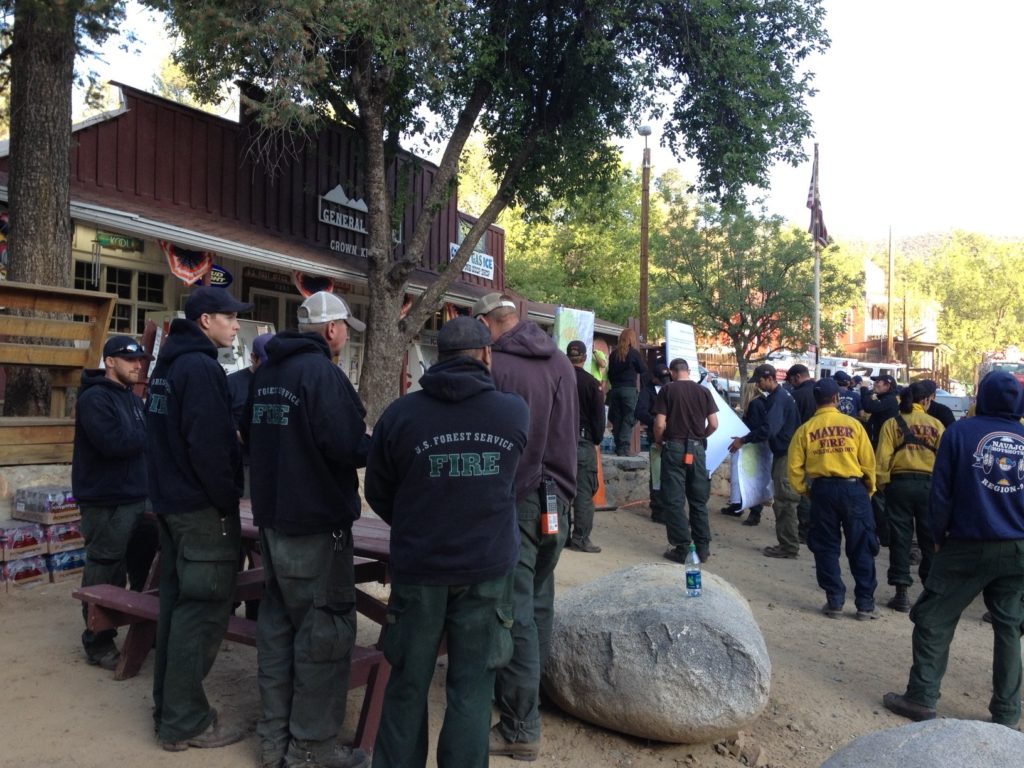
[{"x": 645, "y": 200}]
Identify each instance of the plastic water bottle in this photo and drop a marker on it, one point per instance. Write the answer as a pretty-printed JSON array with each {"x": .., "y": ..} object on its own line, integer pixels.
[{"x": 692, "y": 570}]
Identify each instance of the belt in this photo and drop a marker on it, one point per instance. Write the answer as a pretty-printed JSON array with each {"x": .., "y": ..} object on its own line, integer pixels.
[
  {"x": 585, "y": 434},
  {"x": 837, "y": 479},
  {"x": 903, "y": 476},
  {"x": 684, "y": 439}
]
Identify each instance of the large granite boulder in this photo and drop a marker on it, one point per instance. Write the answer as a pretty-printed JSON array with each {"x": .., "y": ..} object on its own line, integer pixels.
[
  {"x": 960, "y": 743},
  {"x": 632, "y": 653}
]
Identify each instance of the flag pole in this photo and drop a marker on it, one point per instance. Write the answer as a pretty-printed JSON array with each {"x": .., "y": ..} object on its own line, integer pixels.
[{"x": 817, "y": 302}]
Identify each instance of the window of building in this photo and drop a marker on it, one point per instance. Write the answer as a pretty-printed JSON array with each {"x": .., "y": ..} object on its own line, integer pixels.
[{"x": 137, "y": 293}]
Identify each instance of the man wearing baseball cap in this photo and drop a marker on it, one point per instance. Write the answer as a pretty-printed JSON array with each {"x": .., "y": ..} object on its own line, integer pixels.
[
  {"x": 881, "y": 403},
  {"x": 441, "y": 472},
  {"x": 306, "y": 433},
  {"x": 849, "y": 398},
  {"x": 526, "y": 361},
  {"x": 108, "y": 475},
  {"x": 592, "y": 422},
  {"x": 776, "y": 429},
  {"x": 194, "y": 470},
  {"x": 831, "y": 460}
]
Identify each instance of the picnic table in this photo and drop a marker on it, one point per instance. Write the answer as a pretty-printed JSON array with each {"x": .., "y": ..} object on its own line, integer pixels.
[{"x": 110, "y": 607}]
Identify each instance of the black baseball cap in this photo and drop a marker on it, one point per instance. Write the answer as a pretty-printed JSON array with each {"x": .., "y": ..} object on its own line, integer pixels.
[
  {"x": 461, "y": 333},
  {"x": 886, "y": 378},
  {"x": 124, "y": 346},
  {"x": 842, "y": 377},
  {"x": 576, "y": 349},
  {"x": 825, "y": 389},
  {"x": 762, "y": 371},
  {"x": 210, "y": 300}
]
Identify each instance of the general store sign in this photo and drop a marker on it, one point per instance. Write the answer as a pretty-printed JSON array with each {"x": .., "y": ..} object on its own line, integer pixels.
[{"x": 336, "y": 209}]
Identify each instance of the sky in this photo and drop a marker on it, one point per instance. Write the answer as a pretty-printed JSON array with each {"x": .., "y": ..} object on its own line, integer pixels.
[{"x": 918, "y": 118}]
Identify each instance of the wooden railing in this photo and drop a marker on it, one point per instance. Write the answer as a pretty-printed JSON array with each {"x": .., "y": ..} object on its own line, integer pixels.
[{"x": 66, "y": 344}]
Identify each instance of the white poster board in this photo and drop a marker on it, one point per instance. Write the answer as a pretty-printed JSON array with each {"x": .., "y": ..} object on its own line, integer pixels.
[
  {"x": 751, "y": 479},
  {"x": 729, "y": 426},
  {"x": 681, "y": 342}
]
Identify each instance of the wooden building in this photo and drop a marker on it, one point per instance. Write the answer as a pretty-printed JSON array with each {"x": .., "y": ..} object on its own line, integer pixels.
[{"x": 153, "y": 181}]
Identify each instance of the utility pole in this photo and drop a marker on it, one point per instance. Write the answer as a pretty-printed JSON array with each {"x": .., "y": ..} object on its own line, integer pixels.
[
  {"x": 890, "y": 350},
  {"x": 645, "y": 210}
]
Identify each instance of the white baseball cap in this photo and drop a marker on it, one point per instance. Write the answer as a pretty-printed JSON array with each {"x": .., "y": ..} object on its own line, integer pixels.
[{"x": 323, "y": 307}]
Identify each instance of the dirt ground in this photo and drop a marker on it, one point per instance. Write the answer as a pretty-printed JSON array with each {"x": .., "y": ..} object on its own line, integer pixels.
[{"x": 828, "y": 676}]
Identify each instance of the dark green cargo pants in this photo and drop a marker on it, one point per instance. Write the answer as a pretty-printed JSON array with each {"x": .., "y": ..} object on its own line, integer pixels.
[
  {"x": 960, "y": 571},
  {"x": 304, "y": 637},
  {"x": 517, "y": 685},
  {"x": 586, "y": 487},
  {"x": 906, "y": 506},
  {"x": 686, "y": 486},
  {"x": 198, "y": 565},
  {"x": 477, "y": 622},
  {"x": 107, "y": 530}
]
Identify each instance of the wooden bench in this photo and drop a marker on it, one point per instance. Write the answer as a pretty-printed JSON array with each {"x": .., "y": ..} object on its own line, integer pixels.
[
  {"x": 35, "y": 337},
  {"x": 110, "y": 607}
]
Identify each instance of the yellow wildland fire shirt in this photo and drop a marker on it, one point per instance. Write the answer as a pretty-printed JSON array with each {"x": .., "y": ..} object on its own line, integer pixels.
[
  {"x": 890, "y": 459},
  {"x": 830, "y": 444}
]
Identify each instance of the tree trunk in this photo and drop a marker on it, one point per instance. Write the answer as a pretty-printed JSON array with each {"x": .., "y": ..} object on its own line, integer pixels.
[{"x": 42, "y": 69}]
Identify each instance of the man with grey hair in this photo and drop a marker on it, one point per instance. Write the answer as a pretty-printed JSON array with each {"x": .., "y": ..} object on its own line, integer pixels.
[
  {"x": 306, "y": 434},
  {"x": 527, "y": 362}
]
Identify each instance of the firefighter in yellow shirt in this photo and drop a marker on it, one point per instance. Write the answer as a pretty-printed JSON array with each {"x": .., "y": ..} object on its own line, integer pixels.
[
  {"x": 830, "y": 454},
  {"x": 904, "y": 459}
]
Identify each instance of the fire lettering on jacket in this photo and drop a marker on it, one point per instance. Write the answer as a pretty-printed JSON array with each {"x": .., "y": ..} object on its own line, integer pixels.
[{"x": 466, "y": 464}]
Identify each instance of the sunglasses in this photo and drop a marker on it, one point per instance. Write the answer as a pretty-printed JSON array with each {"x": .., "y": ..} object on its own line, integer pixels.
[{"x": 127, "y": 348}]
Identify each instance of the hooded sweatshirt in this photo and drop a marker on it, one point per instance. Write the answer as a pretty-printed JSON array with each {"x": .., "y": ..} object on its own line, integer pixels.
[
  {"x": 192, "y": 454},
  {"x": 306, "y": 434},
  {"x": 978, "y": 480},
  {"x": 108, "y": 466},
  {"x": 441, "y": 472},
  {"x": 526, "y": 361}
]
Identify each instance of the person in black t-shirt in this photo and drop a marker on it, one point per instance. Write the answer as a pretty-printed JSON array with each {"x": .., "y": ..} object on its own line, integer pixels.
[{"x": 591, "y": 432}]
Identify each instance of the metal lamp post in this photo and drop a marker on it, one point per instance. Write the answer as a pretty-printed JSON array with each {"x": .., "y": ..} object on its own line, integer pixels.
[{"x": 645, "y": 201}]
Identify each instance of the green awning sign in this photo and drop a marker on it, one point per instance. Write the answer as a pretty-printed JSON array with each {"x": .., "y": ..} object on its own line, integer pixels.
[{"x": 120, "y": 242}]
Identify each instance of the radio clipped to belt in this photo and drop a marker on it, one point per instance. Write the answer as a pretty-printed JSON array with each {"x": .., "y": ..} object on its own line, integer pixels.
[
  {"x": 549, "y": 520},
  {"x": 687, "y": 453}
]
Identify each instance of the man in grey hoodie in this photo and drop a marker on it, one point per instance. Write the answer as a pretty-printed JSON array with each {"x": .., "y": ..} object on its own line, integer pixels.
[{"x": 526, "y": 361}]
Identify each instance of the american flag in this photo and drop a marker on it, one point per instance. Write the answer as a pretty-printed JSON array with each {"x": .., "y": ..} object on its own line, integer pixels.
[{"x": 817, "y": 229}]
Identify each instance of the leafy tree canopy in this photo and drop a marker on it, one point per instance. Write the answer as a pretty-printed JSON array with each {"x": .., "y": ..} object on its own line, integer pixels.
[
  {"x": 745, "y": 276},
  {"x": 549, "y": 84}
]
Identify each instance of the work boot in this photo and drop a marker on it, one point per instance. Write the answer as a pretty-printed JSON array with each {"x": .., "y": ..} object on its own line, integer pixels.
[
  {"x": 105, "y": 657},
  {"x": 324, "y": 754},
  {"x": 733, "y": 510},
  {"x": 497, "y": 745},
  {"x": 779, "y": 552},
  {"x": 904, "y": 707},
  {"x": 754, "y": 518},
  {"x": 583, "y": 545},
  {"x": 215, "y": 735},
  {"x": 901, "y": 600}
]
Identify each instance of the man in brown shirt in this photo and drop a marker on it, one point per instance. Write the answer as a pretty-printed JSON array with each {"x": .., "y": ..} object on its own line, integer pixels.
[{"x": 684, "y": 415}]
